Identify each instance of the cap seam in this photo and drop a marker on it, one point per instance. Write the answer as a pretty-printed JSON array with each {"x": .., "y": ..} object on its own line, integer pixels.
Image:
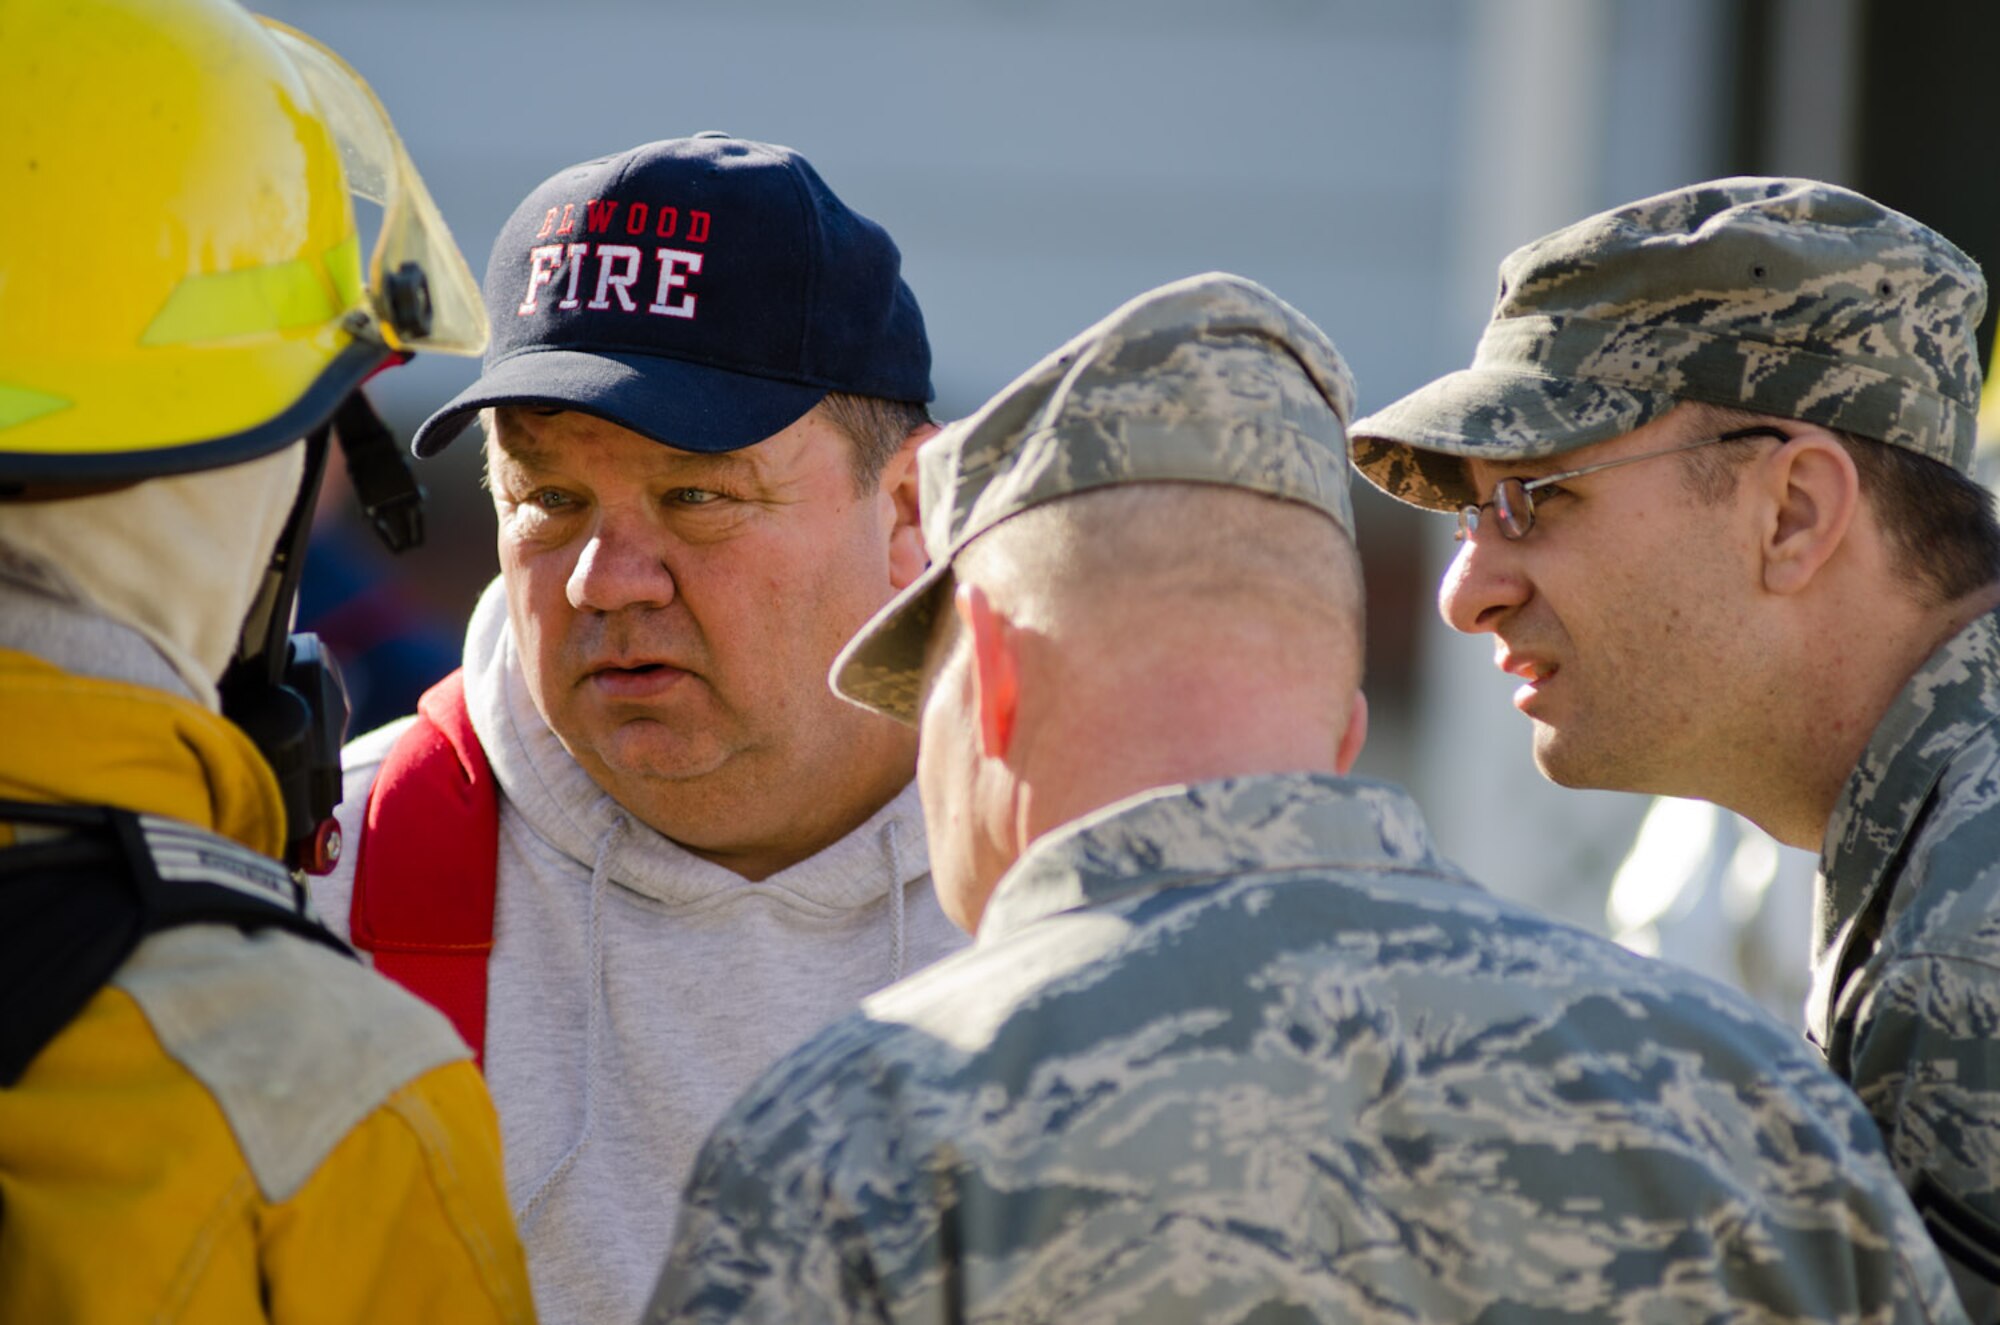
[
  {"x": 959, "y": 544},
  {"x": 815, "y": 243}
]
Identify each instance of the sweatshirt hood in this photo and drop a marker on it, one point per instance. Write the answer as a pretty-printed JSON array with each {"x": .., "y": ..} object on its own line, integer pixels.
[{"x": 178, "y": 559}]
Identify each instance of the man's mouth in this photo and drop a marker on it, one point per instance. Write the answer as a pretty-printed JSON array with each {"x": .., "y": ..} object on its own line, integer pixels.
[
  {"x": 636, "y": 680},
  {"x": 1534, "y": 673}
]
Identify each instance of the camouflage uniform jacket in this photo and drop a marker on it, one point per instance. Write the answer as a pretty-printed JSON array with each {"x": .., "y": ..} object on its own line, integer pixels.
[
  {"x": 1906, "y": 947},
  {"x": 1251, "y": 1050}
]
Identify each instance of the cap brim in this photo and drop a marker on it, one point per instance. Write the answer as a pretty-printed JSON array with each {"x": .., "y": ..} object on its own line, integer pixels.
[
  {"x": 690, "y": 406},
  {"x": 882, "y": 667},
  {"x": 1414, "y": 450}
]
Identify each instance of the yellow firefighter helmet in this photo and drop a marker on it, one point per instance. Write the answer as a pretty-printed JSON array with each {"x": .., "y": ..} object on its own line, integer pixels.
[{"x": 182, "y": 282}]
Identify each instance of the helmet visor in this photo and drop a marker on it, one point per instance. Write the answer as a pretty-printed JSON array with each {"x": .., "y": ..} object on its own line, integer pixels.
[{"x": 420, "y": 292}]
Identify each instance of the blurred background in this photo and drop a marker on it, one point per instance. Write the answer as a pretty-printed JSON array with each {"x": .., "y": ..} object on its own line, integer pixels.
[{"x": 1040, "y": 161}]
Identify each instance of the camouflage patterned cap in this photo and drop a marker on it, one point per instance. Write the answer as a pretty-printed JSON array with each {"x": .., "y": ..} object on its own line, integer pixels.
[
  {"x": 1779, "y": 296},
  {"x": 1212, "y": 379}
]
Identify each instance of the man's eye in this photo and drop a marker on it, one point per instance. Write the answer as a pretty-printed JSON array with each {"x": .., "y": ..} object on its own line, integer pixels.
[
  {"x": 694, "y": 497},
  {"x": 548, "y": 499}
]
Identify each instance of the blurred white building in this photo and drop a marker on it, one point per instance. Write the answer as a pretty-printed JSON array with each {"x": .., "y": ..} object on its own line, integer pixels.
[
  {"x": 1041, "y": 161},
  {"x": 1707, "y": 889}
]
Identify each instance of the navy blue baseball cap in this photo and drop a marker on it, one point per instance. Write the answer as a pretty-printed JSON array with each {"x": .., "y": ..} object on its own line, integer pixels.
[{"x": 705, "y": 292}]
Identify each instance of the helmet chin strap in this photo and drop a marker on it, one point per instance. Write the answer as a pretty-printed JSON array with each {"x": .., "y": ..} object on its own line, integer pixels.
[
  {"x": 380, "y": 471},
  {"x": 285, "y": 690}
]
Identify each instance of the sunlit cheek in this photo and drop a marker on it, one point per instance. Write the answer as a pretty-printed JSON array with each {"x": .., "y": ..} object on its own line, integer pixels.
[
  {"x": 525, "y": 523},
  {"x": 943, "y": 784},
  {"x": 931, "y": 778},
  {"x": 535, "y": 553},
  {"x": 941, "y": 771},
  {"x": 514, "y": 538},
  {"x": 927, "y": 789}
]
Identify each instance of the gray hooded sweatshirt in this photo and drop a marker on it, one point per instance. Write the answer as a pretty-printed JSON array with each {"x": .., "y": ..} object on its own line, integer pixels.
[{"x": 635, "y": 989}]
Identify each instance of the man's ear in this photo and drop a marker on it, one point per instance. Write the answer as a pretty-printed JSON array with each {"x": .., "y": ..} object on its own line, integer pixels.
[
  {"x": 907, "y": 557},
  {"x": 996, "y": 669},
  {"x": 1354, "y": 737},
  {"x": 1812, "y": 493}
]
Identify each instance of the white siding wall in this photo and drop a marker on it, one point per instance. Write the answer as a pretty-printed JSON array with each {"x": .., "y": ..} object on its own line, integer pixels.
[{"x": 1040, "y": 161}]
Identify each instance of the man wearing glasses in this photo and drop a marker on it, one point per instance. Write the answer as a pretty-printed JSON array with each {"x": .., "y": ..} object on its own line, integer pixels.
[
  {"x": 1233, "y": 1043},
  {"x": 1709, "y": 469}
]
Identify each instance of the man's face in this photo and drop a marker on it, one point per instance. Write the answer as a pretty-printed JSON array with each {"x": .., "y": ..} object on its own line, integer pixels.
[
  {"x": 676, "y": 614},
  {"x": 1627, "y": 614}
]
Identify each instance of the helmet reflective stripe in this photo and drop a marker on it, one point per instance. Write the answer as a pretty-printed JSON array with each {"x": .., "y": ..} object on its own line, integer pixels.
[
  {"x": 275, "y": 297},
  {"x": 18, "y": 404}
]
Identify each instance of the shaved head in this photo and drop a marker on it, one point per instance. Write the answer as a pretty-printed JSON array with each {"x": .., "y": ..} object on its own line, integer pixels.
[
  {"x": 1153, "y": 568},
  {"x": 1134, "y": 636}
]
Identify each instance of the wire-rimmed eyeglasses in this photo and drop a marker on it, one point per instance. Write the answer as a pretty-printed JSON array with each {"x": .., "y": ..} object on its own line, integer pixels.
[{"x": 1513, "y": 499}]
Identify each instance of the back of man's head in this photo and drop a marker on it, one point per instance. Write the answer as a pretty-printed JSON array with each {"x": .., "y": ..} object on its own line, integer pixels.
[
  {"x": 1196, "y": 612},
  {"x": 1144, "y": 542},
  {"x": 1211, "y": 383}
]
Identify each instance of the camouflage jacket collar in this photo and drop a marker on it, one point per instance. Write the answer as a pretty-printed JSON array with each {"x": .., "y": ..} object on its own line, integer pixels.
[
  {"x": 1950, "y": 698},
  {"x": 1190, "y": 834}
]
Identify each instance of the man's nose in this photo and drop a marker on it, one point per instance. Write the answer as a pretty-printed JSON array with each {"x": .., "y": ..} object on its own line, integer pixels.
[
  {"x": 622, "y": 564},
  {"x": 1483, "y": 583}
]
